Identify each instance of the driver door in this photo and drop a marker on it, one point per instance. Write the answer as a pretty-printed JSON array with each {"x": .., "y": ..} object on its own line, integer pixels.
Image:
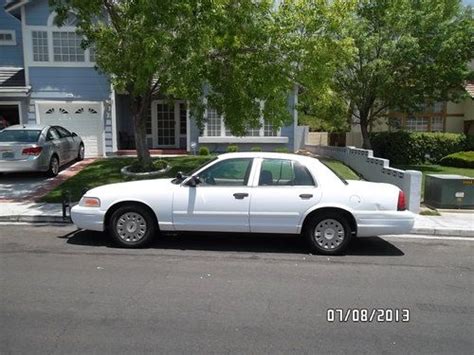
[{"x": 220, "y": 202}]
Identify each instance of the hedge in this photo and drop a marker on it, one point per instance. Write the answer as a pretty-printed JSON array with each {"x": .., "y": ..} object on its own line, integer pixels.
[
  {"x": 404, "y": 147},
  {"x": 460, "y": 160}
]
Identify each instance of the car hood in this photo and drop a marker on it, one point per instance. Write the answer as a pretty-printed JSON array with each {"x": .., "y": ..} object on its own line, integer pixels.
[{"x": 131, "y": 188}]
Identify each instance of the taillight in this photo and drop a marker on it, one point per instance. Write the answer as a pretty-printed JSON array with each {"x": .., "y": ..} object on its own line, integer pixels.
[
  {"x": 401, "y": 205},
  {"x": 32, "y": 151}
]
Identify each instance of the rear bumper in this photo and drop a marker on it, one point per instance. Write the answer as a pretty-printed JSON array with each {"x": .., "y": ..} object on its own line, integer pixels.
[
  {"x": 376, "y": 223},
  {"x": 88, "y": 218},
  {"x": 24, "y": 165}
]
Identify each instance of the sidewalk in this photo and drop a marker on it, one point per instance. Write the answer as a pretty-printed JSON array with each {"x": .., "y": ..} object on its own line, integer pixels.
[{"x": 452, "y": 224}]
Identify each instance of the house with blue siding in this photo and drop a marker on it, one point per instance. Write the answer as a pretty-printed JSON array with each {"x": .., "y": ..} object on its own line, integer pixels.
[{"x": 46, "y": 77}]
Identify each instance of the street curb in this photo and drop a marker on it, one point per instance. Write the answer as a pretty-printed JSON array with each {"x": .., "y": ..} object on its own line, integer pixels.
[
  {"x": 445, "y": 232},
  {"x": 35, "y": 219},
  {"x": 441, "y": 232}
]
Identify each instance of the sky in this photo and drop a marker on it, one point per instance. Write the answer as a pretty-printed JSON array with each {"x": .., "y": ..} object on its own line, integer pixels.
[{"x": 468, "y": 2}]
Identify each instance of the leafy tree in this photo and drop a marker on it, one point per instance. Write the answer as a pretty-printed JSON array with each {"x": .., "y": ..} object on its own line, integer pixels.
[
  {"x": 224, "y": 48},
  {"x": 405, "y": 53}
]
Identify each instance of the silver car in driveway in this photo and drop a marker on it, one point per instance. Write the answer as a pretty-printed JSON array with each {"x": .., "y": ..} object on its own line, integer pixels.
[{"x": 38, "y": 148}]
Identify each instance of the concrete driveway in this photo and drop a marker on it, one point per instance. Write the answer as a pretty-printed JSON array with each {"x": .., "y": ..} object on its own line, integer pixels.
[{"x": 30, "y": 186}]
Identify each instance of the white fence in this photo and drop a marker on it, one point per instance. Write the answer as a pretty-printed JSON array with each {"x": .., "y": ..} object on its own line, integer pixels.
[{"x": 376, "y": 169}]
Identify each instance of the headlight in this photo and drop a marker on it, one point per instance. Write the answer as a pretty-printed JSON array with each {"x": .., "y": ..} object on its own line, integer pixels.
[{"x": 89, "y": 202}]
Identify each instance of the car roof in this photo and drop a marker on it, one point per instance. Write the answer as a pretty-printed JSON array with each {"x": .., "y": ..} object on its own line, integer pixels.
[
  {"x": 268, "y": 155},
  {"x": 26, "y": 126}
]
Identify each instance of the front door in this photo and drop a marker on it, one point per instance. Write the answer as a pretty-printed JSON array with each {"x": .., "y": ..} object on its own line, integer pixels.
[
  {"x": 165, "y": 124},
  {"x": 219, "y": 203}
]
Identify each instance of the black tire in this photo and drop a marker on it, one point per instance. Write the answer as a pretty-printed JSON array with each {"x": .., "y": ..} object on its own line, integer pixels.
[
  {"x": 80, "y": 153},
  {"x": 127, "y": 222},
  {"x": 328, "y": 233},
  {"x": 53, "y": 169}
]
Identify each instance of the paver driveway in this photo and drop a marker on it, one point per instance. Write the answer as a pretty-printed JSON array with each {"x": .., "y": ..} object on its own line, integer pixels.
[{"x": 29, "y": 186}]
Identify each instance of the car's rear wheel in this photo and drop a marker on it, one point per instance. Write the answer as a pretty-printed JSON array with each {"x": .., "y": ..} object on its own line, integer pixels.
[
  {"x": 132, "y": 226},
  {"x": 328, "y": 233},
  {"x": 80, "y": 154},
  {"x": 53, "y": 169}
]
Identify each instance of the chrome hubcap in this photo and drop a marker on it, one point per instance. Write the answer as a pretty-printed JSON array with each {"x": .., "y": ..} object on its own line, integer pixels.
[
  {"x": 81, "y": 152},
  {"x": 329, "y": 234},
  {"x": 131, "y": 227}
]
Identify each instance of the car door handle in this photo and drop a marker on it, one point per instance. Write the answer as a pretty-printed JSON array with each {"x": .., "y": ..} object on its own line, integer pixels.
[
  {"x": 240, "y": 195},
  {"x": 306, "y": 196}
]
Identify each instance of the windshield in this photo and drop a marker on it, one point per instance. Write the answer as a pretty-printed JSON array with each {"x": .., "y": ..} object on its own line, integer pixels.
[{"x": 20, "y": 135}]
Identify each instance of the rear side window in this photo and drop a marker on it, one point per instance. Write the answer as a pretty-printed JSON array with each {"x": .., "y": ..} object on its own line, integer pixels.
[
  {"x": 52, "y": 134},
  {"x": 63, "y": 132},
  {"x": 282, "y": 172},
  {"x": 20, "y": 135}
]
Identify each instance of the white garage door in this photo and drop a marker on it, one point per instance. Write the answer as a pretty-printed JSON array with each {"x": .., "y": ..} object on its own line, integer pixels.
[{"x": 85, "y": 119}]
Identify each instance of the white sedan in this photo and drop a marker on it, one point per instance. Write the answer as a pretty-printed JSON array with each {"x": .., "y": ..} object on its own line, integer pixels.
[{"x": 248, "y": 193}]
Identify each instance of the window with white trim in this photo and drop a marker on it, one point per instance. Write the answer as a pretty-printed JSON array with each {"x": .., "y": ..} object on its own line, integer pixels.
[
  {"x": 7, "y": 38},
  {"x": 417, "y": 124},
  {"x": 55, "y": 44},
  {"x": 67, "y": 47},
  {"x": 214, "y": 126},
  {"x": 40, "y": 46}
]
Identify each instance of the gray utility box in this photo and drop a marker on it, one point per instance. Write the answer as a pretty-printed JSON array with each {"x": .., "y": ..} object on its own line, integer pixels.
[{"x": 449, "y": 191}]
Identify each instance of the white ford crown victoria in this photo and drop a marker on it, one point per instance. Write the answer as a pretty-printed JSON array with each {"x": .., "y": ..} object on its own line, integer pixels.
[{"x": 248, "y": 192}]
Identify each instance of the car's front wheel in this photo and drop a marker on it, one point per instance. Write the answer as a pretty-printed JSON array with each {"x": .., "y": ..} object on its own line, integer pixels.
[
  {"x": 132, "y": 226},
  {"x": 328, "y": 233}
]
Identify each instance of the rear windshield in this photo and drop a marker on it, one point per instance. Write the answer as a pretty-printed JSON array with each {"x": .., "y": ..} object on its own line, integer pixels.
[{"x": 20, "y": 135}]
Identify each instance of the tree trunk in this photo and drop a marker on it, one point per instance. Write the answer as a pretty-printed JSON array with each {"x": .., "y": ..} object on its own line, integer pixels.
[
  {"x": 364, "y": 128},
  {"x": 139, "y": 122}
]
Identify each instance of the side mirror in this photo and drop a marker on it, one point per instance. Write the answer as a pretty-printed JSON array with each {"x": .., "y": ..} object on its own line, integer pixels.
[
  {"x": 74, "y": 134},
  {"x": 193, "y": 181}
]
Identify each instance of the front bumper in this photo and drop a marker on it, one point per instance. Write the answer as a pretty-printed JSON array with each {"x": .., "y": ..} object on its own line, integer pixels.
[
  {"x": 376, "y": 223},
  {"x": 90, "y": 218}
]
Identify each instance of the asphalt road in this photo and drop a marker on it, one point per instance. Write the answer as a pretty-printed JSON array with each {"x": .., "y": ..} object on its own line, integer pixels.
[{"x": 64, "y": 292}]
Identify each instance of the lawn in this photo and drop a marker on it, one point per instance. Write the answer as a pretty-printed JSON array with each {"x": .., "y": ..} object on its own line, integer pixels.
[
  {"x": 107, "y": 171},
  {"x": 436, "y": 169},
  {"x": 339, "y": 168}
]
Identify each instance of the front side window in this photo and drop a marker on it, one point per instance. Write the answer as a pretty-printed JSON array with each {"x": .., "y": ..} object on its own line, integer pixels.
[
  {"x": 282, "y": 172},
  {"x": 231, "y": 172}
]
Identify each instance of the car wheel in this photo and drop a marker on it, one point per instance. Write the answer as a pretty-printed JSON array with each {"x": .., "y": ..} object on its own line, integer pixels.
[
  {"x": 132, "y": 226},
  {"x": 328, "y": 233},
  {"x": 53, "y": 166},
  {"x": 80, "y": 154}
]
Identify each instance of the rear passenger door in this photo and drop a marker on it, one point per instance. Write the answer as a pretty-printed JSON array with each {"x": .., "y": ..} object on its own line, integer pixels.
[
  {"x": 285, "y": 191},
  {"x": 54, "y": 141}
]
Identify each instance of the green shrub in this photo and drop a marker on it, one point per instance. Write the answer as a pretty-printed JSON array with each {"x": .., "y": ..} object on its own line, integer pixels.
[
  {"x": 404, "y": 147},
  {"x": 203, "y": 151},
  {"x": 281, "y": 150},
  {"x": 460, "y": 160},
  {"x": 256, "y": 149},
  {"x": 232, "y": 148}
]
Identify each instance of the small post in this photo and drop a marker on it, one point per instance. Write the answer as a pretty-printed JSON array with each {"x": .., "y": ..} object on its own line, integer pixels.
[{"x": 66, "y": 202}]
